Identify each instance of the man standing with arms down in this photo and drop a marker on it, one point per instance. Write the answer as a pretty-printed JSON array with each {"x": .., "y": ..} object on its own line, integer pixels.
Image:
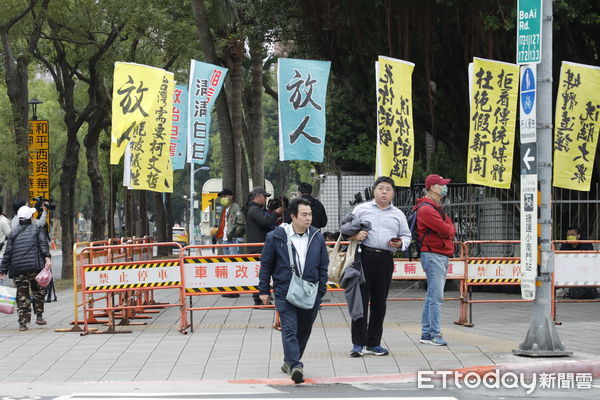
[
  {"x": 435, "y": 231},
  {"x": 389, "y": 232},
  {"x": 258, "y": 223},
  {"x": 311, "y": 258},
  {"x": 232, "y": 226}
]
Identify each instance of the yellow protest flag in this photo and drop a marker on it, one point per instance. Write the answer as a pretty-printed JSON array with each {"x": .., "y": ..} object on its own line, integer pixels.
[
  {"x": 395, "y": 133},
  {"x": 132, "y": 103},
  {"x": 576, "y": 125},
  {"x": 494, "y": 95},
  {"x": 150, "y": 165}
]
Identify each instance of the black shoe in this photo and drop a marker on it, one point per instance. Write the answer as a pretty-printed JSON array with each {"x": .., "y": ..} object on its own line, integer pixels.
[
  {"x": 297, "y": 375},
  {"x": 231, "y": 295}
]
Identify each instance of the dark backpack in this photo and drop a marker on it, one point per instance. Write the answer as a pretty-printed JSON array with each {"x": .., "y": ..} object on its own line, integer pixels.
[{"x": 413, "y": 250}]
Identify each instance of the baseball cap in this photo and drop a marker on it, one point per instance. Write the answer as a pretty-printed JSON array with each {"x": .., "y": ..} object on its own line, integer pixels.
[
  {"x": 225, "y": 192},
  {"x": 26, "y": 212},
  {"x": 434, "y": 179},
  {"x": 259, "y": 190}
]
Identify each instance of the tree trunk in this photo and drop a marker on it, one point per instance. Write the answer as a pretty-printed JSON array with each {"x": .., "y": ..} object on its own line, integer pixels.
[
  {"x": 67, "y": 195},
  {"x": 16, "y": 78},
  {"x": 235, "y": 75},
  {"x": 161, "y": 223},
  {"x": 225, "y": 129},
  {"x": 128, "y": 200},
  {"x": 255, "y": 115},
  {"x": 143, "y": 213},
  {"x": 96, "y": 180},
  {"x": 169, "y": 216}
]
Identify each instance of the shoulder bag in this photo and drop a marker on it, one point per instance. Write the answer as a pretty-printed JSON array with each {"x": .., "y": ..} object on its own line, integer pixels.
[
  {"x": 301, "y": 293},
  {"x": 339, "y": 260}
]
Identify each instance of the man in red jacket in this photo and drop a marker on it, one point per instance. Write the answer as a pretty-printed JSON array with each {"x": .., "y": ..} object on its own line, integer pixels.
[{"x": 435, "y": 232}]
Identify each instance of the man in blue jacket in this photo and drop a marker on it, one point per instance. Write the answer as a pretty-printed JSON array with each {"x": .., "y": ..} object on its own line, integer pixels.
[{"x": 310, "y": 254}]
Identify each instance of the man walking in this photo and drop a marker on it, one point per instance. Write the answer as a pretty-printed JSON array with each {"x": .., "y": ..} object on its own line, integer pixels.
[
  {"x": 311, "y": 259},
  {"x": 435, "y": 231},
  {"x": 389, "y": 232},
  {"x": 26, "y": 254},
  {"x": 318, "y": 210},
  {"x": 232, "y": 226}
]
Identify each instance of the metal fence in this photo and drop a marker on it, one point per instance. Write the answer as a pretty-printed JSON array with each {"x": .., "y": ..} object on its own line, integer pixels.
[{"x": 478, "y": 212}]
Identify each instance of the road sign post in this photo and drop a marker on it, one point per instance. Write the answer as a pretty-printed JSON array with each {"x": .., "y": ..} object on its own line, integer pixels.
[{"x": 542, "y": 339}]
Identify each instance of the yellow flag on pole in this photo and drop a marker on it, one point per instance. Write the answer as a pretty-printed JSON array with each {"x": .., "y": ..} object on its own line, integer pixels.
[
  {"x": 494, "y": 94},
  {"x": 395, "y": 133},
  {"x": 576, "y": 125},
  {"x": 134, "y": 98}
]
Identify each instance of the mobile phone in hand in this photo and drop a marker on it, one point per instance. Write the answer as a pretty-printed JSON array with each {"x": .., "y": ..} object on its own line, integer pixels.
[{"x": 395, "y": 240}]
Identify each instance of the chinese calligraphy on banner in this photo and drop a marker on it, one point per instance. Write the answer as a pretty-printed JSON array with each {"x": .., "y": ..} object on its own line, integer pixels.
[
  {"x": 395, "y": 133},
  {"x": 302, "y": 123},
  {"x": 39, "y": 159},
  {"x": 206, "y": 81},
  {"x": 179, "y": 129},
  {"x": 494, "y": 95},
  {"x": 576, "y": 125},
  {"x": 133, "y": 103},
  {"x": 142, "y": 119},
  {"x": 150, "y": 162}
]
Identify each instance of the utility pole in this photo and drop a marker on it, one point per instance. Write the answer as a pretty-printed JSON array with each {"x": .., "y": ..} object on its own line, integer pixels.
[{"x": 542, "y": 339}]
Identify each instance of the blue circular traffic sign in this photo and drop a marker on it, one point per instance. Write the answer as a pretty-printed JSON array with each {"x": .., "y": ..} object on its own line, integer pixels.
[{"x": 528, "y": 90}]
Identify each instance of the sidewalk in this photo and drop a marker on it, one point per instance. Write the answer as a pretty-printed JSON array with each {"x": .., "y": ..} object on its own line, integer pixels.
[{"x": 241, "y": 345}]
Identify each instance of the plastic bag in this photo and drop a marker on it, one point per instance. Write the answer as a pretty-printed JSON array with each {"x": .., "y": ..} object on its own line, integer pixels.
[
  {"x": 8, "y": 299},
  {"x": 45, "y": 276}
]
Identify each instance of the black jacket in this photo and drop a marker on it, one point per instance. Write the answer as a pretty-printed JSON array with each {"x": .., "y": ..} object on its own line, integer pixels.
[
  {"x": 25, "y": 250},
  {"x": 258, "y": 224},
  {"x": 319, "y": 216}
]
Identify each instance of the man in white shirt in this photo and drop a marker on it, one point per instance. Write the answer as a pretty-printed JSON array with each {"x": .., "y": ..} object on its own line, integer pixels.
[
  {"x": 389, "y": 233},
  {"x": 311, "y": 260}
]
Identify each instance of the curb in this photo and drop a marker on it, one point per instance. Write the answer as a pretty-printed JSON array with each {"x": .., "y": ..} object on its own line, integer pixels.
[{"x": 526, "y": 368}]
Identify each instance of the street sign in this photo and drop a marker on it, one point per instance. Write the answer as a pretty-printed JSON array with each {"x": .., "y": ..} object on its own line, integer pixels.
[
  {"x": 529, "y": 218},
  {"x": 527, "y": 107},
  {"x": 529, "y": 245},
  {"x": 528, "y": 158},
  {"x": 529, "y": 31}
]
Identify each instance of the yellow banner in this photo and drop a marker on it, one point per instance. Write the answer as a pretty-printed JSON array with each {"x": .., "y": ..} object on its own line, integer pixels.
[
  {"x": 150, "y": 163},
  {"x": 134, "y": 98},
  {"x": 576, "y": 125},
  {"x": 39, "y": 159},
  {"x": 395, "y": 134},
  {"x": 494, "y": 94}
]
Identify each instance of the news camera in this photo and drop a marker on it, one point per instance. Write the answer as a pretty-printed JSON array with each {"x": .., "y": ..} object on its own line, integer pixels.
[{"x": 39, "y": 201}]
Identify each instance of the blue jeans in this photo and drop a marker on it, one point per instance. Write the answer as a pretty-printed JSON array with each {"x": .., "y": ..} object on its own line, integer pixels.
[
  {"x": 232, "y": 250},
  {"x": 435, "y": 267}
]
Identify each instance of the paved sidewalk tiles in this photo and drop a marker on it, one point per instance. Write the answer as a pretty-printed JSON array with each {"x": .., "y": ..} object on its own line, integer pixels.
[{"x": 241, "y": 344}]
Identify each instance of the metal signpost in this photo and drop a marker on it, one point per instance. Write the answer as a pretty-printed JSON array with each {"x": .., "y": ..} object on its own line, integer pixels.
[{"x": 542, "y": 338}]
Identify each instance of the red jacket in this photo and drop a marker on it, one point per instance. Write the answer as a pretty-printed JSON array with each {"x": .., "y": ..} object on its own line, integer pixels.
[{"x": 435, "y": 228}]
